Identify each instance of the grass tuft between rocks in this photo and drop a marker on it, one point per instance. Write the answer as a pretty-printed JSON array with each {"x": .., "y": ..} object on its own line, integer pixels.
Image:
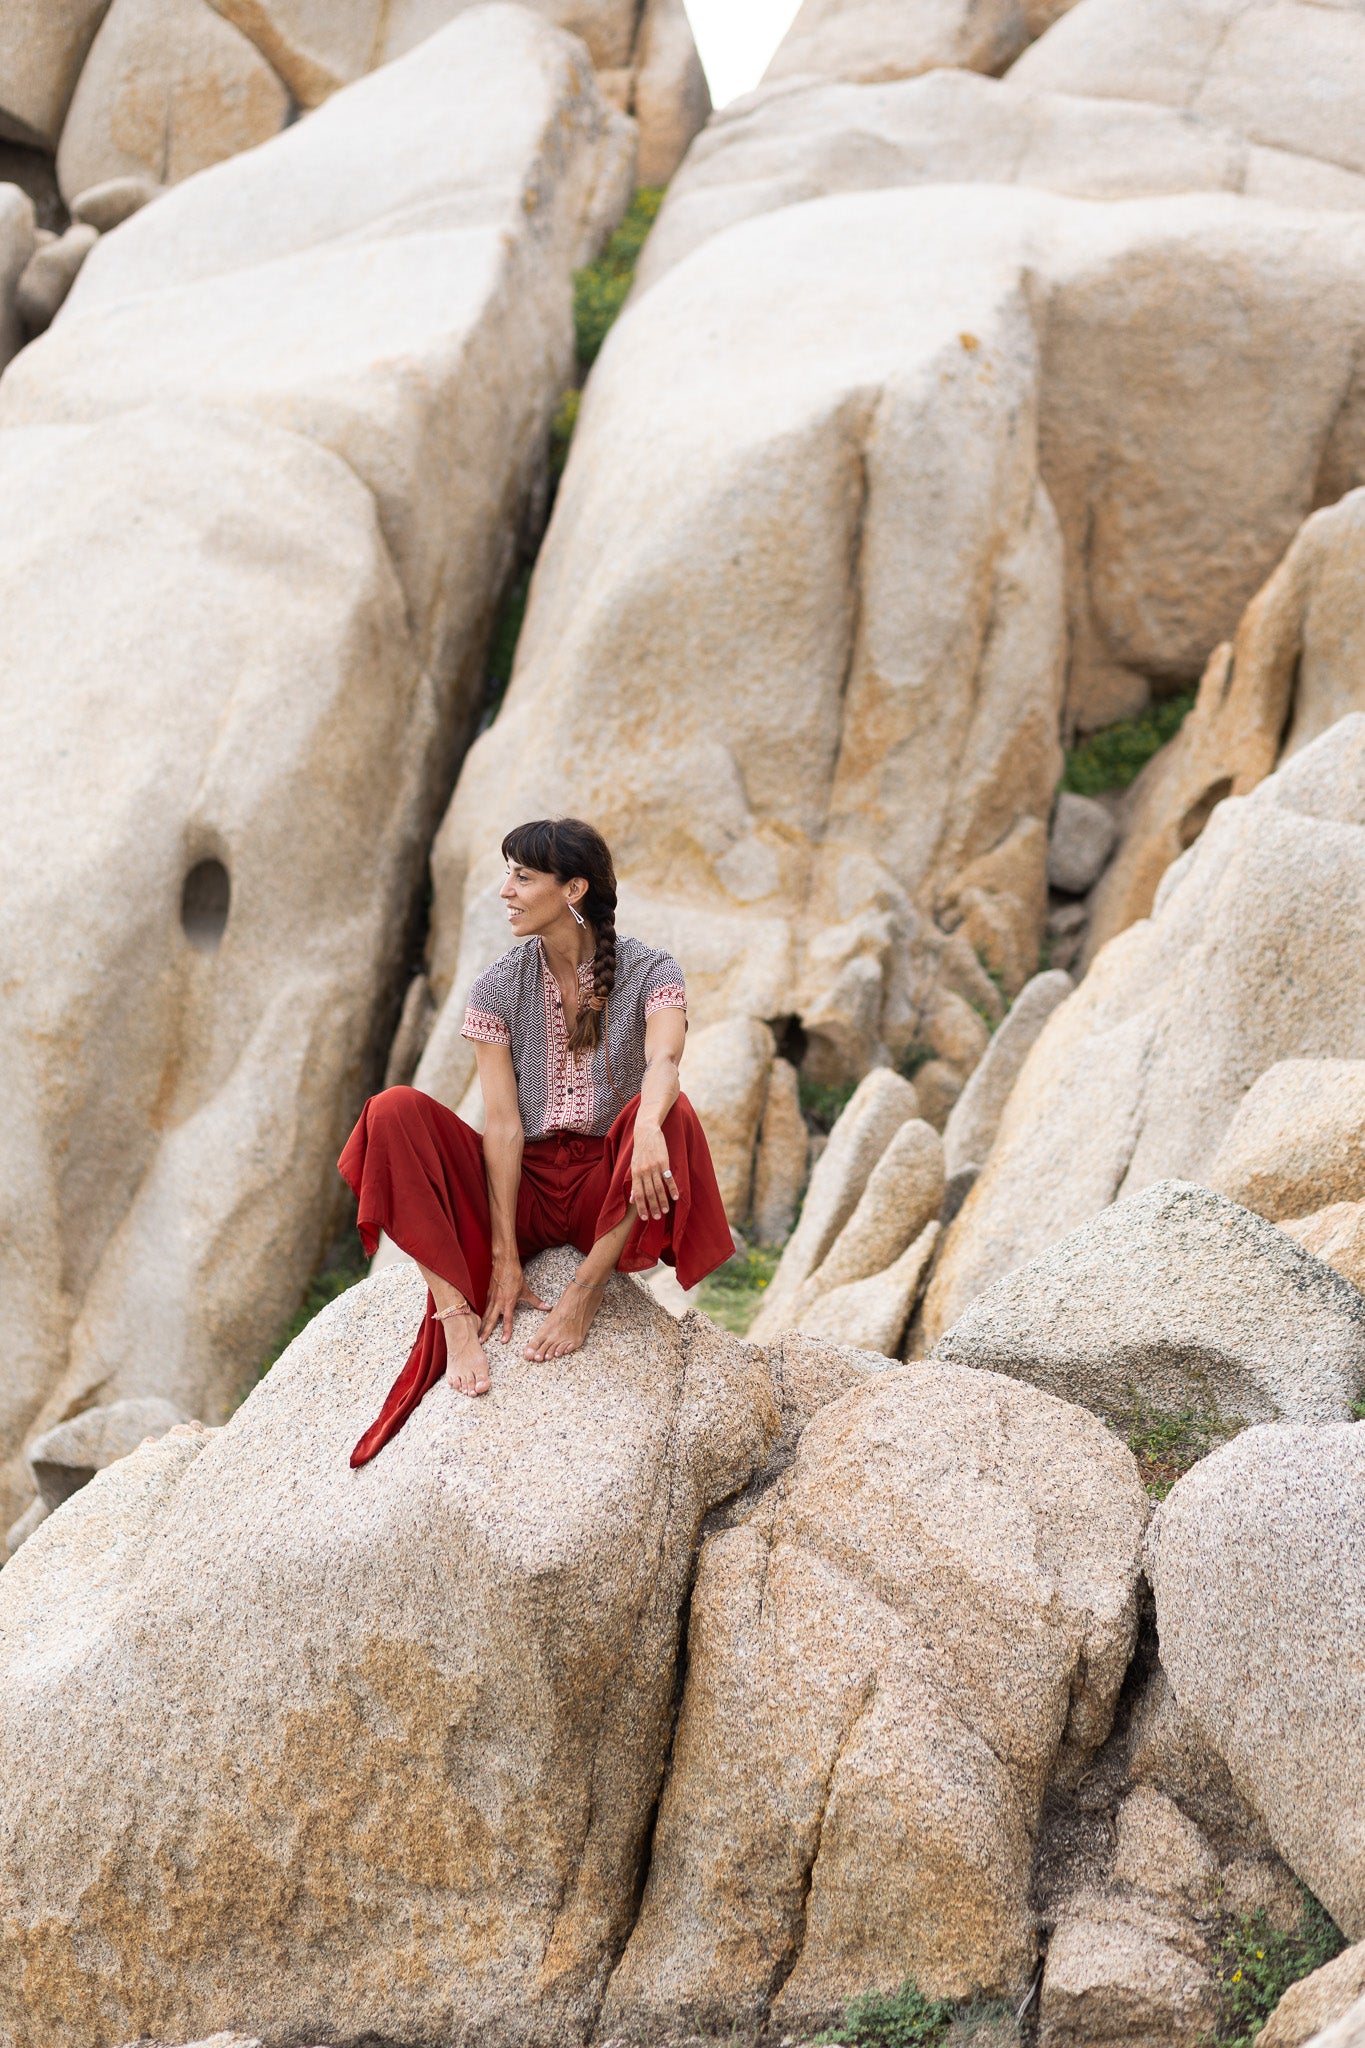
[
  {"x": 1257, "y": 1964},
  {"x": 1166, "y": 1446},
  {"x": 1114, "y": 757},
  {"x": 733, "y": 1295},
  {"x": 600, "y": 289},
  {"x": 907, "y": 2019}
]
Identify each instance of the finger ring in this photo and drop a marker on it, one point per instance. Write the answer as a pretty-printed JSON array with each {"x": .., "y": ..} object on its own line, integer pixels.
[{"x": 668, "y": 1175}]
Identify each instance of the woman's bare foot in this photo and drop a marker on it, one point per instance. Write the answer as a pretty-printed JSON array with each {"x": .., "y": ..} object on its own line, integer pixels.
[
  {"x": 568, "y": 1322},
  {"x": 466, "y": 1366}
]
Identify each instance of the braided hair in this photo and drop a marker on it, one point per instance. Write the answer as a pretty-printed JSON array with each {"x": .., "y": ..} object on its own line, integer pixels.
[{"x": 570, "y": 850}]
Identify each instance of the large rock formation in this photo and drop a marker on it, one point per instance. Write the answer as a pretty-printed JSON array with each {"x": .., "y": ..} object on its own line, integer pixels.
[
  {"x": 171, "y": 86},
  {"x": 1296, "y": 666},
  {"x": 406, "y": 1726},
  {"x": 811, "y": 140},
  {"x": 1250, "y": 958},
  {"x": 1256, "y": 1562},
  {"x": 337, "y": 353},
  {"x": 1287, "y": 74},
  {"x": 842, "y": 592},
  {"x": 1173, "y": 1302},
  {"x": 867, "y": 41},
  {"x": 43, "y": 44},
  {"x": 888, "y": 1659}
]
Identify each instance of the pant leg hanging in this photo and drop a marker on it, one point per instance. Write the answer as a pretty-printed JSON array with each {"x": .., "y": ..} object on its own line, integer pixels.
[{"x": 416, "y": 1170}]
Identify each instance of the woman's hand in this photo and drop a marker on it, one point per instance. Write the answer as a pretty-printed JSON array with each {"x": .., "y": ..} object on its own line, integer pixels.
[
  {"x": 651, "y": 1184},
  {"x": 506, "y": 1293}
]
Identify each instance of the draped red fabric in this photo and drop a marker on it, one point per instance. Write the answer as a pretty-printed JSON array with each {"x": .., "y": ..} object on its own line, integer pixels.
[{"x": 416, "y": 1170}]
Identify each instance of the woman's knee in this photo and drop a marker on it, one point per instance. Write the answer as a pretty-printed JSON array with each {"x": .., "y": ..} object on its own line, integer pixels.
[{"x": 394, "y": 1106}]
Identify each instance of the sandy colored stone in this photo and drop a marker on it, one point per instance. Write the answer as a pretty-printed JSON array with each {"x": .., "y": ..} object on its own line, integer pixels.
[
  {"x": 881, "y": 1663},
  {"x": 43, "y": 44},
  {"x": 1317, "y": 2001},
  {"x": 1248, "y": 959},
  {"x": 107, "y": 206},
  {"x": 1297, "y": 1142},
  {"x": 317, "y": 46},
  {"x": 1167, "y": 1753},
  {"x": 1174, "y": 1300},
  {"x": 877, "y": 1109},
  {"x": 18, "y": 244},
  {"x": 1269, "y": 1529},
  {"x": 1079, "y": 843},
  {"x": 1294, "y": 668},
  {"x": 872, "y": 1313},
  {"x": 444, "y": 1679},
  {"x": 810, "y": 140},
  {"x": 902, "y": 1194},
  {"x": 1347, "y": 2032},
  {"x": 1158, "y": 1850},
  {"x": 46, "y": 279},
  {"x": 1335, "y": 1235},
  {"x": 1285, "y": 73},
  {"x": 725, "y": 1077},
  {"x": 851, "y": 742},
  {"x": 67, "y": 1458},
  {"x": 1125, "y": 1970},
  {"x": 168, "y": 89},
  {"x": 671, "y": 97},
  {"x": 976, "y": 1114},
  {"x": 169, "y": 1185},
  {"x": 866, "y": 42},
  {"x": 368, "y": 262},
  {"x": 782, "y": 1159}
]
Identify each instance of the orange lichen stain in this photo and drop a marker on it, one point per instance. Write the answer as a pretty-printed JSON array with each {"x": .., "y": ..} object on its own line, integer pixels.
[
  {"x": 350, "y": 1833},
  {"x": 969, "y": 342}
]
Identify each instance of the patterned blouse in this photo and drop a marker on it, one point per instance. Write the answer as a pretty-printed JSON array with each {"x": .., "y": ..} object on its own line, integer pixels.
[{"x": 516, "y": 1003}]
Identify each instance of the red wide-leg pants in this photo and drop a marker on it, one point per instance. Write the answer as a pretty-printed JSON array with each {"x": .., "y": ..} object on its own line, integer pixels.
[{"x": 416, "y": 1170}]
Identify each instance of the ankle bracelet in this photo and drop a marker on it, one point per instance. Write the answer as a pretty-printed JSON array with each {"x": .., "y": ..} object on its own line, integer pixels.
[
  {"x": 591, "y": 1286},
  {"x": 443, "y": 1315}
]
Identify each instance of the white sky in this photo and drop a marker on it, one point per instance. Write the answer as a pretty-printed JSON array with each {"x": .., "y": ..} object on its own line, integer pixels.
[{"x": 736, "y": 38}]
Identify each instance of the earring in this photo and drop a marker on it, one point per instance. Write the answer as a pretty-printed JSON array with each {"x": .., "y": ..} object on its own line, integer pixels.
[{"x": 575, "y": 916}]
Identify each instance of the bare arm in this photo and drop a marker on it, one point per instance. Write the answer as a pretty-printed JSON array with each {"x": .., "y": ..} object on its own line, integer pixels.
[
  {"x": 665, "y": 1036},
  {"x": 503, "y": 1143}
]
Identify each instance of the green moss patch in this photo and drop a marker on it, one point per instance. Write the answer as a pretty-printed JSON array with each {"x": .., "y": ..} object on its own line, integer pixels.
[{"x": 1115, "y": 757}]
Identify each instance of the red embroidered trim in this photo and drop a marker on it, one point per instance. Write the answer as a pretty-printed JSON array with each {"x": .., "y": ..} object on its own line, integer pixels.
[
  {"x": 670, "y": 995},
  {"x": 486, "y": 1028},
  {"x": 566, "y": 1111}
]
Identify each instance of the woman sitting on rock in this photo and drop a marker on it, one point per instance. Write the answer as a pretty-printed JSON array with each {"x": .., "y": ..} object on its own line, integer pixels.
[{"x": 588, "y": 1142}]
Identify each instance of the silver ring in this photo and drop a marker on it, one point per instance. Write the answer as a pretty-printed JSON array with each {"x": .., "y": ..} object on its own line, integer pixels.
[{"x": 668, "y": 1173}]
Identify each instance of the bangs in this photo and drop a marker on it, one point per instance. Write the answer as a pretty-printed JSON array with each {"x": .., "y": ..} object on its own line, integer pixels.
[{"x": 534, "y": 846}]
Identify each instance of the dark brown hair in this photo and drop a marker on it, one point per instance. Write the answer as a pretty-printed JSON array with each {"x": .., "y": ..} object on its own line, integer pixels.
[{"x": 569, "y": 850}]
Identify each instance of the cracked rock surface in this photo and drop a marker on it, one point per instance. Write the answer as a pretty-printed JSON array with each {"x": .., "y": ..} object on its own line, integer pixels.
[{"x": 927, "y": 1617}]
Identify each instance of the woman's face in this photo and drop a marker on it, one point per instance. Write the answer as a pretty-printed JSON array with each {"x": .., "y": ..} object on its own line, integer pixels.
[{"x": 536, "y": 902}]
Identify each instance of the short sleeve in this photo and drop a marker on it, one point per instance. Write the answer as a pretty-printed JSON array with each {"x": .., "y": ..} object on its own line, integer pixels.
[
  {"x": 664, "y": 985},
  {"x": 483, "y": 1018}
]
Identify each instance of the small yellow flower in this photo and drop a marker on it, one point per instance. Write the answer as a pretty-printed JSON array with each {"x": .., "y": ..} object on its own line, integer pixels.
[
  {"x": 1236, "y": 1976},
  {"x": 1260, "y": 1955}
]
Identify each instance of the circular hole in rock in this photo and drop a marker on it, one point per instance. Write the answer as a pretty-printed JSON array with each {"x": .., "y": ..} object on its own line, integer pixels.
[{"x": 204, "y": 904}]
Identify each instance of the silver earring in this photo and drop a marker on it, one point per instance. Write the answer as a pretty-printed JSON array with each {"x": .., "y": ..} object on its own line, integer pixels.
[{"x": 575, "y": 916}]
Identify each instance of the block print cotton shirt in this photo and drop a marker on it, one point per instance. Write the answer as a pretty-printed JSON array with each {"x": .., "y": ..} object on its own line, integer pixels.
[{"x": 516, "y": 1003}]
